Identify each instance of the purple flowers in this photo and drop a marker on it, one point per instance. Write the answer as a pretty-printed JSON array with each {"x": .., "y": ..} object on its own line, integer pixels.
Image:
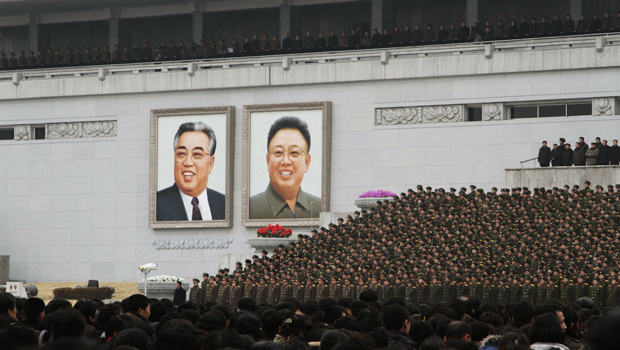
[{"x": 377, "y": 194}]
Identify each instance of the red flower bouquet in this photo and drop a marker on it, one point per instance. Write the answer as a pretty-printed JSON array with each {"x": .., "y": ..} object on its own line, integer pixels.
[{"x": 274, "y": 231}]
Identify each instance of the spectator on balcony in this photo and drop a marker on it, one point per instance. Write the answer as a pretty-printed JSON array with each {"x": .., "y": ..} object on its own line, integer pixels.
[
  {"x": 157, "y": 55},
  {"x": 57, "y": 58},
  {"x": 376, "y": 38},
  {"x": 221, "y": 48},
  {"x": 557, "y": 26},
  {"x": 524, "y": 28},
  {"x": 476, "y": 32},
  {"x": 366, "y": 40},
  {"x": 582, "y": 25},
  {"x": 88, "y": 56},
  {"x": 136, "y": 53},
  {"x": 614, "y": 153},
  {"x": 452, "y": 33},
  {"x": 287, "y": 42},
  {"x": 199, "y": 50},
  {"x": 31, "y": 61},
  {"x": 397, "y": 37},
  {"x": 545, "y": 27},
  {"x": 4, "y": 62},
  {"x": 78, "y": 58},
  {"x": 488, "y": 24},
  {"x": 544, "y": 155},
  {"x": 608, "y": 23},
  {"x": 255, "y": 47},
  {"x": 595, "y": 24},
  {"x": 49, "y": 57},
  {"x": 569, "y": 24},
  {"x": 247, "y": 46},
  {"x": 429, "y": 34},
  {"x": 567, "y": 155},
  {"x": 592, "y": 155},
  {"x": 126, "y": 54},
  {"x": 463, "y": 32},
  {"x": 21, "y": 60},
  {"x": 275, "y": 43},
  {"x": 265, "y": 45},
  {"x": 332, "y": 41},
  {"x": 386, "y": 38},
  {"x": 298, "y": 44},
  {"x": 487, "y": 34},
  {"x": 417, "y": 35},
  {"x": 500, "y": 29},
  {"x": 343, "y": 41},
  {"x": 320, "y": 42},
  {"x": 354, "y": 39},
  {"x": 556, "y": 155},
  {"x": 116, "y": 53},
  {"x": 309, "y": 41},
  {"x": 579, "y": 157},
  {"x": 407, "y": 35},
  {"x": 603, "y": 149},
  {"x": 185, "y": 53},
  {"x": 163, "y": 50},
  {"x": 442, "y": 34},
  {"x": 12, "y": 61},
  {"x": 69, "y": 56},
  {"x": 147, "y": 53},
  {"x": 106, "y": 56},
  {"x": 534, "y": 28},
  {"x": 173, "y": 52},
  {"x": 40, "y": 58},
  {"x": 235, "y": 47}
]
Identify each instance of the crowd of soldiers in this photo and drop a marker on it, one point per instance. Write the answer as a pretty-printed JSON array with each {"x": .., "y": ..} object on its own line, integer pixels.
[
  {"x": 303, "y": 43},
  {"x": 599, "y": 153},
  {"x": 430, "y": 246}
]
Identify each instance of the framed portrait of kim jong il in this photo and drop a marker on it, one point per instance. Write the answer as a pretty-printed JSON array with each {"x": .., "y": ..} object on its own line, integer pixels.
[
  {"x": 286, "y": 163},
  {"x": 191, "y": 167}
]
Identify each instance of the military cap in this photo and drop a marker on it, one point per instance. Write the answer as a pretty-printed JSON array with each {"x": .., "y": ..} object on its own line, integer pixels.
[
  {"x": 419, "y": 187},
  {"x": 587, "y": 183},
  {"x": 493, "y": 188},
  {"x": 428, "y": 188},
  {"x": 452, "y": 189},
  {"x": 617, "y": 185},
  {"x": 254, "y": 256},
  {"x": 576, "y": 187},
  {"x": 205, "y": 275},
  {"x": 610, "y": 186},
  {"x": 463, "y": 189},
  {"x": 195, "y": 280}
]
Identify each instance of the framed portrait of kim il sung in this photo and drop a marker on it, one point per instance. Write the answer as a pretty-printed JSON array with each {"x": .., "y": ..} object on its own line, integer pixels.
[
  {"x": 286, "y": 163},
  {"x": 191, "y": 167}
]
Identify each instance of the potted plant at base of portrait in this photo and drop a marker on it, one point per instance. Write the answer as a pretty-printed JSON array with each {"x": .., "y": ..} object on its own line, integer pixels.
[
  {"x": 161, "y": 286},
  {"x": 270, "y": 237},
  {"x": 369, "y": 199}
]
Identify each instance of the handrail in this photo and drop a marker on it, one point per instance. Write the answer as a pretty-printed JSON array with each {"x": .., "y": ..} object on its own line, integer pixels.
[
  {"x": 527, "y": 160},
  {"x": 587, "y": 40}
]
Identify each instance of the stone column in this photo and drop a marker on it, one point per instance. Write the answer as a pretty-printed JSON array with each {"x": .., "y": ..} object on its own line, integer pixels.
[
  {"x": 197, "y": 26},
  {"x": 477, "y": 11},
  {"x": 376, "y": 15},
  {"x": 285, "y": 21},
  {"x": 113, "y": 32},
  {"x": 33, "y": 32},
  {"x": 577, "y": 8}
]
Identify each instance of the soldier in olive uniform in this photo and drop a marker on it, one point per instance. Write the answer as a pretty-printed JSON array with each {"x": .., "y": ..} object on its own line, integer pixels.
[
  {"x": 334, "y": 289},
  {"x": 434, "y": 292},
  {"x": 261, "y": 292},
  {"x": 387, "y": 291},
  {"x": 475, "y": 288},
  {"x": 596, "y": 293},
  {"x": 298, "y": 291},
  {"x": 249, "y": 291},
  {"x": 515, "y": 291},
  {"x": 235, "y": 293},
  {"x": 210, "y": 290},
  {"x": 349, "y": 290},
  {"x": 567, "y": 292},
  {"x": 422, "y": 291},
  {"x": 552, "y": 291},
  {"x": 195, "y": 293},
  {"x": 223, "y": 293},
  {"x": 309, "y": 291},
  {"x": 488, "y": 292},
  {"x": 502, "y": 293},
  {"x": 273, "y": 292},
  {"x": 410, "y": 292},
  {"x": 611, "y": 296},
  {"x": 461, "y": 288},
  {"x": 541, "y": 295},
  {"x": 581, "y": 288},
  {"x": 286, "y": 290},
  {"x": 528, "y": 292},
  {"x": 448, "y": 290},
  {"x": 322, "y": 289}
]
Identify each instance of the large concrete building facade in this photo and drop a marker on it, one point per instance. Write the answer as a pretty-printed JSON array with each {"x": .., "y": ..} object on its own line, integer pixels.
[{"x": 73, "y": 209}]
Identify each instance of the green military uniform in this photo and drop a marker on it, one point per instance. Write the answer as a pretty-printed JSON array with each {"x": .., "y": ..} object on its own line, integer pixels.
[
  {"x": 236, "y": 293},
  {"x": 581, "y": 290},
  {"x": 298, "y": 293},
  {"x": 475, "y": 290},
  {"x": 286, "y": 290},
  {"x": 488, "y": 292},
  {"x": 273, "y": 293},
  {"x": 567, "y": 293},
  {"x": 249, "y": 291},
  {"x": 410, "y": 295},
  {"x": 448, "y": 292},
  {"x": 434, "y": 293},
  {"x": 195, "y": 295},
  {"x": 422, "y": 293},
  {"x": 502, "y": 295},
  {"x": 552, "y": 293},
  {"x": 261, "y": 294},
  {"x": 210, "y": 292},
  {"x": 223, "y": 295},
  {"x": 322, "y": 291},
  {"x": 596, "y": 293},
  {"x": 611, "y": 296},
  {"x": 399, "y": 291},
  {"x": 515, "y": 293},
  {"x": 334, "y": 291},
  {"x": 309, "y": 292},
  {"x": 349, "y": 291},
  {"x": 528, "y": 293},
  {"x": 462, "y": 289},
  {"x": 541, "y": 295}
]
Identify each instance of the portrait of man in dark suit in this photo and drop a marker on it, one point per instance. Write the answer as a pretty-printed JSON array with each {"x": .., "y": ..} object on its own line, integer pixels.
[
  {"x": 288, "y": 159},
  {"x": 189, "y": 198}
]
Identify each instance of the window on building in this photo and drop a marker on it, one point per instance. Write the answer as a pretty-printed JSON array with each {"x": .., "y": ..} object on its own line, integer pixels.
[
  {"x": 7, "y": 133},
  {"x": 524, "y": 112},
  {"x": 474, "y": 114},
  {"x": 551, "y": 110},
  {"x": 38, "y": 132},
  {"x": 576, "y": 109}
]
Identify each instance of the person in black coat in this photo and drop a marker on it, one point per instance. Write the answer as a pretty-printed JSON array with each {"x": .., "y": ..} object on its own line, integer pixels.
[
  {"x": 463, "y": 32},
  {"x": 180, "y": 294},
  {"x": 320, "y": 42},
  {"x": 603, "y": 156},
  {"x": 569, "y": 25},
  {"x": 614, "y": 154},
  {"x": 544, "y": 155},
  {"x": 595, "y": 24},
  {"x": 376, "y": 38},
  {"x": 556, "y": 155},
  {"x": 545, "y": 27},
  {"x": 386, "y": 39},
  {"x": 557, "y": 26},
  {"x": 287, "y": 42},
  {"x": 298, "y": 44},
  {"x": 524, "y": 28},
  {"x": 332, "y": 41},
  {"x": 255, "y": 44},
  {"x": 247, "y": 46},
  {"x": 567, "y": 155},
  {"x": 513, "y": 31}
]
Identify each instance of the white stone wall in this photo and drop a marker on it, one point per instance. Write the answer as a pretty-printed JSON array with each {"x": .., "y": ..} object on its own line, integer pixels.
[{"x": 72, "y": 210}]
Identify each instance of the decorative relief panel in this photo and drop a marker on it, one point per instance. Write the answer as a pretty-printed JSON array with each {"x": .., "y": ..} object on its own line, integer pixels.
[
  {"x": 417, "y": 115},
  {"x": 81, "y": 130},
  {"x": 602, "y": 106},
  {"x": 443, "y": 114},
  {"x": 492, "y": 111},
  {"x": 192, "y": 243},
  {"x": 22, "y": 132}
]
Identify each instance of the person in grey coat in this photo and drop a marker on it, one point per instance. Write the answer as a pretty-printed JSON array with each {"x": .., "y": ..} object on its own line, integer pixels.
[
  {"x": 579, "y": 157},
  {"x": 592, "y": 155}
]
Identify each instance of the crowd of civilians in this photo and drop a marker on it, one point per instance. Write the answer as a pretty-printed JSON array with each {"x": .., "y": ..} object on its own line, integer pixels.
[
  {"x": 309, "y": 43},
  {"x": 140, "y": 323},
  {"x": 599, "y": 153}
]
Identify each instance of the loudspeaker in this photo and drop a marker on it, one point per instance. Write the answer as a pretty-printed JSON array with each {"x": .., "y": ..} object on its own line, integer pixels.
[{"x": 93, "y": 284}]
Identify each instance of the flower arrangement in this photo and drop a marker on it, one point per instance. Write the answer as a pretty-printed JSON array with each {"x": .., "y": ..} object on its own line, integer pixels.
[
  {"x": 377, "y": 194},
  {"x": 274, "y": 231},
  {"x": 165, "y": 278}
]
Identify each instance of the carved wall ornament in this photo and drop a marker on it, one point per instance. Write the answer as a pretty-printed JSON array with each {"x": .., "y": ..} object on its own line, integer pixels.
[
  {"x": 443, "y": 114},
  {"x": 491, "y": 111},
  {"x": 399, "y": 115},
  {"x": 602, "y": 106},
  {"x": 64, "y": 131},
  {"x": 100, "y": 129},
  {"x": 180, "y": 243},
  {"x": 22, "y": 132}
]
